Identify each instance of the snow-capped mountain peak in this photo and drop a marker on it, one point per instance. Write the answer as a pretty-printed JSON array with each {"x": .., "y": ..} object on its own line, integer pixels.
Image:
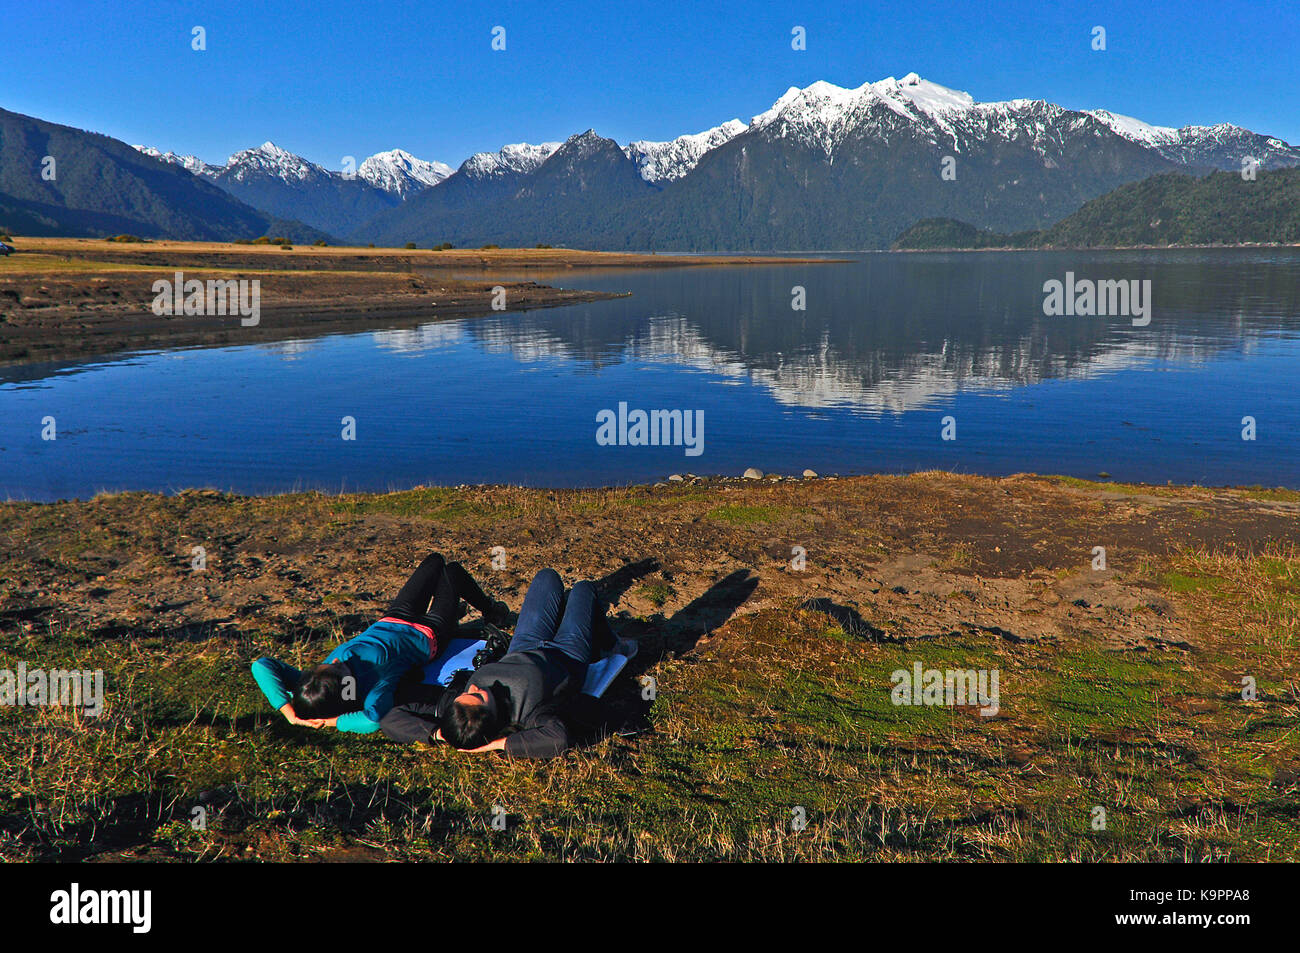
[
  {"x": 401, "y": 173},
  {"x": 667, "y": 161},
  {"x": 820, "y": 115},
  {"x": 1135, "y": 130},
  {"x": 268, "y": 159},
  {"x": 822, "y": 102},
  {"x": 518, "y": 157},
  {"x": 191, "y": 163},
  {"x": 926, "y": 96},
  {"x": 1222, "y": 145},
  {"x": 823, "y": 114}
]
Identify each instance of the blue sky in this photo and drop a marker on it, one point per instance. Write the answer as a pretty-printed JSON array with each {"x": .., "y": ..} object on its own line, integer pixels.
[{"x": 331, "y": 79}]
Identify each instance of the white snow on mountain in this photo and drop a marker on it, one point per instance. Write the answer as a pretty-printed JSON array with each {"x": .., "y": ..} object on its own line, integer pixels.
[
  {"x": 270, "y": 160},
  {"x": 1135, "y": 129},
  {"x": 666, "y": 161},
  {"x": 1222, "y": 144},
  {"x": 517, "y": 157},
  {"x": 395, "y": 171},
  {"x": 401, "y": 173},
  {"x": 193, "y": 163},
  {"x": 823, "y": 115}
]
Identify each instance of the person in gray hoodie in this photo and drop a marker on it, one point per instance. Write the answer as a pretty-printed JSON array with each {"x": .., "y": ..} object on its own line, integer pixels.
[{"x": 516, "y": 704}]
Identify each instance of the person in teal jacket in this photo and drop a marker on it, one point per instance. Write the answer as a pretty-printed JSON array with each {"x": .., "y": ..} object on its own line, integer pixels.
[{"x": 353, "y": 689}]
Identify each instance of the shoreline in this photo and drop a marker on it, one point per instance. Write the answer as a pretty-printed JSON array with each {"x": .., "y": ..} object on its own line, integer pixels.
[
  {"x": 66, "y": 298},
  {"x": 993, "y": 527},
  {"x": 702, "y": 482}
]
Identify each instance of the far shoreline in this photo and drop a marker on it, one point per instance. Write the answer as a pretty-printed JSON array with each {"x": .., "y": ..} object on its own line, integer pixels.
[{"x": 77, "y": 298}]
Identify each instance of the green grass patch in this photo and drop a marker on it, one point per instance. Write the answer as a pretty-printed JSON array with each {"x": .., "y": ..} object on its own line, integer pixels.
[
  {"x": 1132, "y": 489},
  {"x": 442, "y": 503},
  {"x": 1185, "y": 582},
  {"x": 742, "y": 515},
  {"x": 1091, "y": 691}
]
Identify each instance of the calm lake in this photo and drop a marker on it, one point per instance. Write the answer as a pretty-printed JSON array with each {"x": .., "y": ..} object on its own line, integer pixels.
[{"x": 861, "y": 381}]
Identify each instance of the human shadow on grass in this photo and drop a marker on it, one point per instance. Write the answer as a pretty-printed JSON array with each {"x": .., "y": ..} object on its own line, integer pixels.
[
  {"x": 612, "y": 587},
  {"x": 849, "y": 620},
  {"x": 12, "y": 617},
  {"x": 625, "y": 706}
]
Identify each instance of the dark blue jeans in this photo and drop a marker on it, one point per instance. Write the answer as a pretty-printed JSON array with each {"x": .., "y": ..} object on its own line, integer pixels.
[{"x": 549, "y": 620}]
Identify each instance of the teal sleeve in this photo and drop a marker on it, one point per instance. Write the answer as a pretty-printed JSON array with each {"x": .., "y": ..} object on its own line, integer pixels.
[
  {"x": 276, "y": 680},
  {"x": 357, "y": 722},
  {"x": 379, "y": 702}
]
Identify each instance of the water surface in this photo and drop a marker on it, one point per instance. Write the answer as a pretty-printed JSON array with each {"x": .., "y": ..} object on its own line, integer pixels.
[{"x": 861, "y": 381}]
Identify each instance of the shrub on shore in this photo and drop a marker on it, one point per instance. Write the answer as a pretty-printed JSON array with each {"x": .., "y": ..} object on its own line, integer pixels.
[
  {"x": 125, "y": 238},
  {"x": 410, "y": 245},
  {"x": 445, "y": 246}
]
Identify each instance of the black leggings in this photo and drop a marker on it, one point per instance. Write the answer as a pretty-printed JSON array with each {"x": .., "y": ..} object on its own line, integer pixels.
[{"x": 432, "y": 596}]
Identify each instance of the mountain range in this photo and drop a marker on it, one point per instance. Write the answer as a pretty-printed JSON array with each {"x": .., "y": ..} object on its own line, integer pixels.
[
  {"x": 824, "y": 167},
  {"x": 56, "y": 180},
  {"x": 290, "y": 186}
]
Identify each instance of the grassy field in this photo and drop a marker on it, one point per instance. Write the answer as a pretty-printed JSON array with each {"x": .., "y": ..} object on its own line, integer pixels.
[{"x": 770, "y": 733}]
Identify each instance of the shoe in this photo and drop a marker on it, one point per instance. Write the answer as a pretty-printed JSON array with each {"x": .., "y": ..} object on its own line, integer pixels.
[{"x": 498, "y": 615}]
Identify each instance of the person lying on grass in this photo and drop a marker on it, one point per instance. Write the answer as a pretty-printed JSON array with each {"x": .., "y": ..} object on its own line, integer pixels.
[
  {"x": 352, "y": 690},
  {"x": 517, "y": 703}
]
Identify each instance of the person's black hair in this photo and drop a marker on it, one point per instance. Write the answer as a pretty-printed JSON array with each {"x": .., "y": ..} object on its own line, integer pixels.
[
  {"x": 451, "y": 691},
  {"x": 459, "y": 681},
  {"x": 320, "y": 694},
  {"x": 467, "y": 726}
]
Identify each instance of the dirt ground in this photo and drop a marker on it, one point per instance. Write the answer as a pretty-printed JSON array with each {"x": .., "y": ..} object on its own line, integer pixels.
[{"x": 899, "y": 558}]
